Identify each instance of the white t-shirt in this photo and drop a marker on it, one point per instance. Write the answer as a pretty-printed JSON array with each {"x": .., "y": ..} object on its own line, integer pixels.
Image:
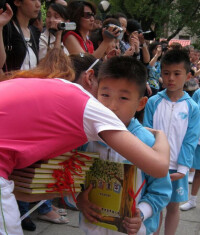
[{"x": 43, "y": 44}]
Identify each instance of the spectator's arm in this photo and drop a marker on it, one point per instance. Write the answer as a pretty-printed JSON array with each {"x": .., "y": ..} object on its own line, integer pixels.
[{"x": 5, "y": 17}]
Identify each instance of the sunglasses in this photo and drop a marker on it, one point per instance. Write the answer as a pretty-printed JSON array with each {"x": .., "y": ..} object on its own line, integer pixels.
[{"x": 88, "y": 15}]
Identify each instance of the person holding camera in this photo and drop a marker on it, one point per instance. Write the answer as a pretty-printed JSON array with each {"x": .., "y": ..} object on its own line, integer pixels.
[
  {"x": 154, "y": 70},
  {"x": 21, "y": 40},
  {"x": 51, "y": 37},
  {"x": 135, "y": 38},
  {"x": 82, "y": 13}
]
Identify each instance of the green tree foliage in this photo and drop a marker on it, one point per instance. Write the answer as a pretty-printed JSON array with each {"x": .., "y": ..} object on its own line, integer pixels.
[{"x": 160, "y": 15}]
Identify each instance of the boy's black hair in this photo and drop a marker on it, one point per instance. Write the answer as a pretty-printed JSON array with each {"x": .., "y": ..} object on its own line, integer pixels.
[
  {"x": 176, "y": 57},
  {"x": 81, "y": 62},
  {"x": 125, "y": 67}
]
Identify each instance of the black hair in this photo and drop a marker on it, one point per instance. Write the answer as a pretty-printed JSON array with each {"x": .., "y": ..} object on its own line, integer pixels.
[
  {"x": 81, "y": 62},
  {"x": 176, "y": 57},
  {"x": 125, "y": 67},
  {"x": 76, "y": 10},
  {"x": 60, "y": 9},
  {"x": 119, "y": 15},
  {"x": 96, "y": 36},
  {"x": 132, "y": 25},
  {"x": 111, "y": 21},
  {"x": 13, "y": 7}
]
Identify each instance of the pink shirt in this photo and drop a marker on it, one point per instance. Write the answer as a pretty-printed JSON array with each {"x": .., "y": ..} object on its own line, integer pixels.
[{"x": 39, "y": 119}]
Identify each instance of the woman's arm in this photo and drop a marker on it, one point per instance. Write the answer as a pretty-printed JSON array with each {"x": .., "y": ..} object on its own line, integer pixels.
[
  {"x": 145, "y": 53},
  {"x": 4, "y": 19},
  {"x": 74, "y": 47},
  {"x": 153, "y": 161}
]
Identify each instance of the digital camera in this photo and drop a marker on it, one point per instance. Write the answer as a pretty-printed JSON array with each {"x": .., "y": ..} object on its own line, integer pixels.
[
  {"x": 148, "y": 35},
  {"x": 114, "y": 27},
  {"x": 66, "y": 26}
]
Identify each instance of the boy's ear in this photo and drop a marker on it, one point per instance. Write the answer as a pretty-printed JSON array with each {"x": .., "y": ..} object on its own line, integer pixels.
[
  {"x": 189, "y": 75},
  {"x": 142, "y": 103},
  {"x": 89, "y": 77}
]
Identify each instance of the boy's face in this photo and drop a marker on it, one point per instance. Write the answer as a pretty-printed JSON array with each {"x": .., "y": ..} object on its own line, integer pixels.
[
  {"x": 174, "y": 77},
  {"x": 122, "y": 97}
]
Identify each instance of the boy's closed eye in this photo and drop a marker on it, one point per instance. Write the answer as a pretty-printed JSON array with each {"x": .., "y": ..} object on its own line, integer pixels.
[{"x": 105, "y": 95}]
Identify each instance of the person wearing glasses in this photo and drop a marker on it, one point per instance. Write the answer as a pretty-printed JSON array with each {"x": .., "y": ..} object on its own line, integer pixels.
[{"x": 83, "y": 13}]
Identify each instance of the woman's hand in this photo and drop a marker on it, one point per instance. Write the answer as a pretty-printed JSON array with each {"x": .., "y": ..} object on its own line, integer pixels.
[
  {"x": 130, "y": 51},
  {"x": 134, "y": 41},
  {"x": 5, "y": 16},
  {"x": 110, "y": 33}
]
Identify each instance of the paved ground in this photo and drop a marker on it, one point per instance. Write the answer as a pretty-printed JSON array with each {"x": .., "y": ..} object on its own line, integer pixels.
[{"x": 189, "y": 224}]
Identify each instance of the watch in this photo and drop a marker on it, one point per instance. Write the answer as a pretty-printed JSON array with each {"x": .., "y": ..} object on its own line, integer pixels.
[{"x": 144, "y": 44}]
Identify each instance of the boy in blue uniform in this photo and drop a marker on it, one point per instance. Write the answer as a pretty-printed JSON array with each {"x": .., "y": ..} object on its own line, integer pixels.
[
  {"x": 174, "y": 112},
  {"x": 122, "y": 82},
  {"x": 196, "y": 165}
]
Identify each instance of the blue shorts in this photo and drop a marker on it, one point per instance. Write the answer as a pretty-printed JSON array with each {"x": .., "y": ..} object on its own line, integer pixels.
[
  {"x": 196, "y": 160},
  {"x": 180, "y": 188}
]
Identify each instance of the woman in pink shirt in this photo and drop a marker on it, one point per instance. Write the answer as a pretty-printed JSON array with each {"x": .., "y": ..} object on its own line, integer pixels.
[{"x": 43, "y": 118}]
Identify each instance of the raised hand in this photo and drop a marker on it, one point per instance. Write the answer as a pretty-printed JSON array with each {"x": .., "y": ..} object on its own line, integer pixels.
[{"x": 5, "y": 16}]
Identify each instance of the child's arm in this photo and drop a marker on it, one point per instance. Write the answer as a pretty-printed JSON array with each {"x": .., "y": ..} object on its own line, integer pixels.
[
  {"x": 157, "y": 194},
  {"x": 154, "y": 161},
  {"x": 89, "y": 210},
  {"x": 148, "y": 114},
  {"x": 190, "y": 141}
]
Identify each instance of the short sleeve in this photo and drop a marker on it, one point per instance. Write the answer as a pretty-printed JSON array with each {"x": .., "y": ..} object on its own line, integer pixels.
[{"x": 98, "y": 118}]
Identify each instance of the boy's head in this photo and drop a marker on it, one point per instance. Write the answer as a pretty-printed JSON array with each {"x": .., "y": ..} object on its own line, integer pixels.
[
  {"x": 122, "y": 83},
  {"x": 175, "y": 69}
]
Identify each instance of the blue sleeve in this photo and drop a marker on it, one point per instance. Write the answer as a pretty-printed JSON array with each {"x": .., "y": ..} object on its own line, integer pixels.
[
  {"x": 148, "y": 114},
  {"x": 157, "y": 194},
  {"x": 195, "y": 96},
  {"x": 191, "y": 138}
]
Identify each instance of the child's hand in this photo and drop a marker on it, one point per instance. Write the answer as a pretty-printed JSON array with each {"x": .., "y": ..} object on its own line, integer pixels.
[
  {"x": 5, "y": 16},
  {"x": 132, "y": 225},
  {"x": 176, "y": 176},
  {"x": 149, "y": 91},
  {"x": 153, "y": 131},
  {"x": 90, "y": 210},
  {"x": 158, "y": 51},
  {"x": 112, "y": 53},
  {"x": 130, "y": 51}
]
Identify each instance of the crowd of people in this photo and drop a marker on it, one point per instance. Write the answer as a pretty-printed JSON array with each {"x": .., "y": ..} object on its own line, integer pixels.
[{"x": 62, "y": 88}]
